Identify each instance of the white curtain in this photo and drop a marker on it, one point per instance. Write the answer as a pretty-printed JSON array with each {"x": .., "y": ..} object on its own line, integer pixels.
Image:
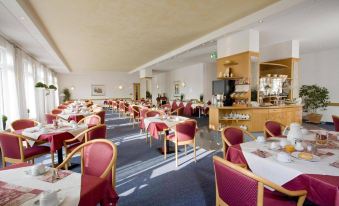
[
  {"x": 8, "y": 95},
  {"x": 19, "y": 73}
]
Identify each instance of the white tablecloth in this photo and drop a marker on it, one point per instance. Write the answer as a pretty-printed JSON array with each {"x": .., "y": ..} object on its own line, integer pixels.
[
  {"x": 70, "y": 186},
  {"x": 35, "y": 132},
  {"x": 281, "y": 173},
  {"x": 169, "y": 122}
]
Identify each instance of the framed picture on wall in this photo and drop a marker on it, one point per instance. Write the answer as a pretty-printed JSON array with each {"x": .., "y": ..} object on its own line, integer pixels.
[
  {"x": 176, "y": 88},
  {"x": 98, "y": 90}
]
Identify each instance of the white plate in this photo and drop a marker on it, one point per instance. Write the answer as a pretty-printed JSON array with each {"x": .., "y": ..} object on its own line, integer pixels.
[
  {"x": 61, "y": 198},
  {"x": 315, "y": 157}
]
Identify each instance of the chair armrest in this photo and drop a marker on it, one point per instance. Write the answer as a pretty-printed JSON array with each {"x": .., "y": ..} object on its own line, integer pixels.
[{"x": 76, "y": 137}]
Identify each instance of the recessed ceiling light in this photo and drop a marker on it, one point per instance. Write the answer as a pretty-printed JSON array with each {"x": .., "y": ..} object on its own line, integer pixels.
[{"x": 261, "y": 21}]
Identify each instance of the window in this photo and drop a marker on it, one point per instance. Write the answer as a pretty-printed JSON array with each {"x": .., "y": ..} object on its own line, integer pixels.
[{"x": 29, "y": 89}]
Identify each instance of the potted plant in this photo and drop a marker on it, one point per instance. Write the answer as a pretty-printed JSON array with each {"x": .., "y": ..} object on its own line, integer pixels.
[
  {"x": 314, "y": 98},
  {"x": 52, "y": 87},
  {"x": 4, "y": 120},
  {"x": 67, "y": 95},
  {"x": 41, "y": 85},
  {"x": 182, "y": 97},
  {"x": 148, "y": 95},
  {"x": 201, "y": 97}
]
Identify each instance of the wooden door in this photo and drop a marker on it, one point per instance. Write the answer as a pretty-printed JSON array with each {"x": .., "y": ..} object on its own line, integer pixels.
[
  {"x": 136, "y": 91},
  {"x": 259, "y": 117}
]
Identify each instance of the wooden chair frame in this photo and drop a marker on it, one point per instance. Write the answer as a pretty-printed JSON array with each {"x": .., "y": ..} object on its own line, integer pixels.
[
  {"x": 85, "y": 138},
  {"x": 261, "y": 184},
  {"x": 177, "y": 111},
  {"x": 282, "y": 126},
  {"x": 88, "y": 117},
  {"x": 226, "y": 143},
  {"x": 146, "y": 129},
  {"x": 111, "y": 166},
  {"x": 135, "y": 119},
  {"x": 177, "y": 143},
  {"x": 35, "y": 123},
  {"x": 21, "y": 147}
]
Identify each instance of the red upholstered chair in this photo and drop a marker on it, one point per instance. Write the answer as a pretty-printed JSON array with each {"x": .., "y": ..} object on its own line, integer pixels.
[
  {"x": 12, "y": 149},
  {"x": 96, "y": 132},
  {"x": 188, "y": 111},
  {"x": 23, "y": 124},
  {"x": 336, "y": 122},
  {"x": 181, "y": 104},
  {"x": 114, "y": 105},
  {"x": 121, "y": 108},
  {"x": 62, "y": 106},
  {"x": 143, "y": 112},
  {"x": 50, "y": 117},
  {"x": 174, "y": 106},
  {"x": 56, "y": 111},
  {"x": 237, "y": 186},
  {"x": 232, "y": 136},
  {"x": 152, "y": 113},
  {"x": 274, "y": 129},
  {"x": 101, "y": 114},
  {"x": 76, "y": 118},
  {"x": 91, "y": 120},
  {"x": 98, "y": 158},
  {"x": 184, "y": 134},
  {"x": 135, "y": 113}
]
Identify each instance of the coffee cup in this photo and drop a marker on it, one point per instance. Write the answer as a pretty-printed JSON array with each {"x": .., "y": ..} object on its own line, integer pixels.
[
  {"x": 38, "y": 169},
  {"x": 274, "y": 146},
  {"x": 299, "y": 146},
  {"x": 261, "y": 139},
  {"x": 49, "y": 198},
  {"x": 283, "y": 157},
  {"x": 283, "y": 142}
]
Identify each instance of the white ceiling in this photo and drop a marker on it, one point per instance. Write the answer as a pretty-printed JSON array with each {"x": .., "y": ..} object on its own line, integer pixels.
[
  {"x": 315, "y": 23},
  {"x": 17, "y": 28}
]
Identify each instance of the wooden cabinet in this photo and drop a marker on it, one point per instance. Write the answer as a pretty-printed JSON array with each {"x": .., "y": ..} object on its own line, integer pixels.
[{"x": 259, "y": 117}]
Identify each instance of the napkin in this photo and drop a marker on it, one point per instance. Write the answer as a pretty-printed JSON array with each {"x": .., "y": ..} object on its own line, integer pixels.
[{"x": 262, "y": 153}]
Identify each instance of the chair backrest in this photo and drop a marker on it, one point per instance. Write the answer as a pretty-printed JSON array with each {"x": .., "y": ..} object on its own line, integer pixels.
[
  {"x": 233, "y": 187},
  {"x": 153, "y": 113},
  {"x": 50, "y": 117},
  {"x": 336, "y": 122},
  {"x": 11, "y": 145},
  {"x": 232, "y": 136},
  {"x": 98, "y": 158},
  {"x": 62, "y": 107},
  {"x": 188, "y": 109},
  {"x": 96, "y": 132},
  {"x": 23, "y": 124},
  {"x": 126, "y": 106},
  {"x": 101, "y": 114},
  {"x": 181, "y": 104},
  {"x": 174, "y": 105},
  {"x": 91, "y": 120},
  {"x": 136, "y": 111},
  {"x": 274, "y": 128},
  {"x": 56, "y": 111},
  {"x": 186, "y": 131}
]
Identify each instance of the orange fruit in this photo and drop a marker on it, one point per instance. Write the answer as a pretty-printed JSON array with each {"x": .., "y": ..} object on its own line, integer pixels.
[{"x": 289, "y": 148}]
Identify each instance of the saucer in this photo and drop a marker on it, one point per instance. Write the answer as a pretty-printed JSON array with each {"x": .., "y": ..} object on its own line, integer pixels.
[
  {"x": 61, "y": 198},
  {"x": 29, "y": 172}
]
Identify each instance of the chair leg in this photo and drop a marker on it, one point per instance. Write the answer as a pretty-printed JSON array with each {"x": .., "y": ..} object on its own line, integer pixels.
[
  {"x": 52, "y": 158},
  {"x": 185, "y": 150},
  {"x": 194, "y": 150},
  {"x": 3, "y": 162},
  {"x": 133, "y": 122},
  {"x": 176, "y": 154},
  {"x": 165, "y": 149},
  {"x": 140, "y": 131},
  {"x": 146, "y": 136},
  {"x": 33, "y": 161},
  {"x": 150, "y": 141}
]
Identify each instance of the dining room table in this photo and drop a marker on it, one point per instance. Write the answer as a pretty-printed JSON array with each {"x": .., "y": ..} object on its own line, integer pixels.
[
  {"x": 162, "y": 123},
  {"x": 19, "y": 187},
  {"x": 55, "y": 136},
  {"x": 318, "y": 175}
]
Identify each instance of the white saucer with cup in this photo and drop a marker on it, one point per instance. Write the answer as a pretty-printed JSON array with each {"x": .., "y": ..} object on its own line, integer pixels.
[
  {"x": 274, "y": 146},
  {"x": 299, "y": 146},
  {"x": 38, "y": 169},
  {"x": 283, "y": 142},
  {"x": 261, "y": 139},
  {"x": 49, "y": 198},
  {"x": 283, "y": 157}
]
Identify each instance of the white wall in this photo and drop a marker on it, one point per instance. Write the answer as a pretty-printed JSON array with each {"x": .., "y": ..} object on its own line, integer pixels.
[
  {"x": 197, "y": 78},
  {"x": 322, "y": 68},
  {"x": 239, "y": 42},
  {"x": 82, "y": 82}
]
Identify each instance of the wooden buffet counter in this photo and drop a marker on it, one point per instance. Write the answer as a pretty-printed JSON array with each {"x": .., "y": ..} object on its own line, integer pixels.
[{"x": 253, "y": 118}]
